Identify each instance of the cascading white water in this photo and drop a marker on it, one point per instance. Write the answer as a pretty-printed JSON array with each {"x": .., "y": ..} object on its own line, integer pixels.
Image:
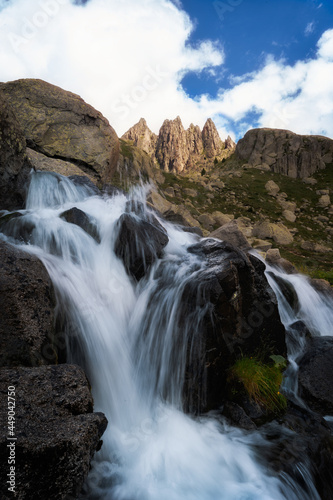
[
  {"x": 126, "y": 337},
  {"x": 314, "y": 309}
]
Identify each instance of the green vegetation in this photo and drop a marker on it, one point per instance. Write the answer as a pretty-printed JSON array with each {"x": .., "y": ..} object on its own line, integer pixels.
[
  {"x": 244, "y": 195},
  {"x": 126, "y": 149},
  {"x": 261, "y": 381}
]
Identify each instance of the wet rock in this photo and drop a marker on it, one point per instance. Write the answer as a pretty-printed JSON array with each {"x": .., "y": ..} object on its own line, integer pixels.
[
  {"x": 237, "y": 416},
  {"x": 300, "y": 445},
  {"x": 242, "y": 318},
  {"x": 27, "y": 304},
  {"x": 316, "y": 375},
  {"x": 83, "y": 180},
  {"x": 14, "y": 167},
  {"x": 79, "y": 218},
  {"x": 57, "y": 433},
  {"x": 139, "y": 243}
]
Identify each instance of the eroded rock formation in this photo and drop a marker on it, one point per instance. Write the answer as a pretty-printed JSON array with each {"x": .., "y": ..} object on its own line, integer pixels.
[
  {"x": 285, "y": 152},
  {"x": 176, "y": 149}
]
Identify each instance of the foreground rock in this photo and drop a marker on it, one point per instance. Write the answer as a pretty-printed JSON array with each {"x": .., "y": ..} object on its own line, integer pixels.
[
  {"x": 140, "y": 241},
  {"x": 14, "y": 168},
  {"x": 285, "y": 152},
  {"x": 242, "y": 319},
  {"x": 57, "y": 433},
  {"x": 27, "y": 303},
  {"x": 316, "y": 375},
  {"x": 61, "y": 125}
]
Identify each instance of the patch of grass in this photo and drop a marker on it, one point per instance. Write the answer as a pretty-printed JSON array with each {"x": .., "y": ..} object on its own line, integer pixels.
[
  {"x": 126, "y": 149},
  {"x": 261, "y": 382}
]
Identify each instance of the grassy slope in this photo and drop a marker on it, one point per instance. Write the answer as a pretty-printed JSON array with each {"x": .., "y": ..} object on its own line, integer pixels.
[{"x": 246, "y": 196}]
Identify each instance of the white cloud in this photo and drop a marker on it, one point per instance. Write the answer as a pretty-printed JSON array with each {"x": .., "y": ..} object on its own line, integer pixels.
[
  {"x": 298, "y": 97},
  {"x": 127, "y": 59},
  {"x": 124, "y": 57}
]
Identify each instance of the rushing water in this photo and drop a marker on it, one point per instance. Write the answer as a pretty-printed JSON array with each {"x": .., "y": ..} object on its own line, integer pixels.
[{"x": 128, "y": 339}]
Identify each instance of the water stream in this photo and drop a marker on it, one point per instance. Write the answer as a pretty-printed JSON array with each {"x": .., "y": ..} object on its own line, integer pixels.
[{"x": 127, "y": 338}]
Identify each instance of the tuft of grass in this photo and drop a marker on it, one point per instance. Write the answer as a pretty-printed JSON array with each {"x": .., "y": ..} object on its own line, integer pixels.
[{"x": 261, "y": 382}]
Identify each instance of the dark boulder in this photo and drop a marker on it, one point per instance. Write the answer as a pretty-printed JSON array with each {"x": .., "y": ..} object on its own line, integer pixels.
[
  {"x": 316, "y": 375},
  {"x": 242, "y": 319},
  {"x": 26, "y": 310},
  {"x": 300, "y": 445},
  {"x": 83, "y": 180},
  {"x": 140, "y": 242},
  {"x": 79, "y": 218},
  {"x": 57, "y": 433},
  {"x": 14, "y": 168}
]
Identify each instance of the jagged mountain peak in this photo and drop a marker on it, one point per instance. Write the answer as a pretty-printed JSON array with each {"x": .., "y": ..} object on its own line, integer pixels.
[{"x": 177, "y": 149}]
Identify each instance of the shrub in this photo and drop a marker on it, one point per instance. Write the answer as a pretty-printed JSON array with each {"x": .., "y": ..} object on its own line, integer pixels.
[{"x": 261, "y": 382}]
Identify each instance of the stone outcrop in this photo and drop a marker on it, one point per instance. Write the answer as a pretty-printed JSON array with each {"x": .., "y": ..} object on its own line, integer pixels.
[
  {"x": 56, "y": 431},
  {"x": 287, "y": 153},
  {"x": 60, "y": 125},
  {"x": 315, "y": 375},
  {"x": 14, "y": 169},
  {"x": 140, "y": 240},
  {"x": 241, "y": 312},
  {"x": 26, "y": 310},
  {"x": 142, "y": 137},
  {"x": 176, "y": 149}
]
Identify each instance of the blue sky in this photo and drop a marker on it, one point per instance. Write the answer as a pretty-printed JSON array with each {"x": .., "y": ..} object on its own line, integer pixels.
[{"x": 244, "y": 63}]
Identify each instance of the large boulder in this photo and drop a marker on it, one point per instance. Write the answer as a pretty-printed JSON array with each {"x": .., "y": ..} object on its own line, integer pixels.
[
  {"x": 61, "y": 125},
  {"x": 277, "y": 232},
  {"x": 315, "y": 375},
  {"x": 56, "y": 432},
  {"x": 231, "y": 233},
  {"x": 285, "y": 152},
  {"x": 242, "y": 319},
  {"x": 27, "y": 304},
  {"x": 140, "y": 241},
  {"x": 14, "y": 168}
]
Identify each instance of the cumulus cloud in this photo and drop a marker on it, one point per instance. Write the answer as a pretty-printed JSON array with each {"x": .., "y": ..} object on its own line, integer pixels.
[
  {"x": 128, "y": 59},
  {"x": 297, "y": 97},
  {"x": 124, "y": 57}
]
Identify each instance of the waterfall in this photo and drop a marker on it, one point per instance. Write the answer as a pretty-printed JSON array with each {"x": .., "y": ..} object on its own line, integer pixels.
[{"x": 131, "y": 340}]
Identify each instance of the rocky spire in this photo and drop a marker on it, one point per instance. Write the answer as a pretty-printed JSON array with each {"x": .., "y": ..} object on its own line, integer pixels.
[
  {"x": 172, "y": 151},
  {"x": 142, "y": 137},
  {"x": 212, "y": 142}
]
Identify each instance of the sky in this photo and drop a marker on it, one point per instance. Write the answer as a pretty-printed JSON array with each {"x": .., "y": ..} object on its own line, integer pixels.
[{"x": 243, "y": 63}]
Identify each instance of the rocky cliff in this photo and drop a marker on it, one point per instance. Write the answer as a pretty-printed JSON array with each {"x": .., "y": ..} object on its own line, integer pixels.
[
  {"x": 176, "y": 149},
  {"x": 284, "y": 152}
]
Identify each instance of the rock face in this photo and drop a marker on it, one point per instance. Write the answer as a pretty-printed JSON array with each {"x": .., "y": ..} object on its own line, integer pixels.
[
  {"x": 212, "y": 142},
  {"x": 26, "y": 310},
  {"x": 140, "y": 241},
  {"x": 297, "y": 156},
  {"x": 14, "y": 169},
  {"x": 142, "y": 137},
  {"x": 61, "y": 125},
  {"x": 56, "y": 431},
  {"x": 316, "y": 375},
  {"x": 176, "y": 149},
  {"x": 242, "y": 318}
]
